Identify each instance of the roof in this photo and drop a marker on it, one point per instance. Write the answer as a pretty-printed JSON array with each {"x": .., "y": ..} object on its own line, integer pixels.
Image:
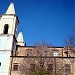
[
  {"x": 11, "y": 9},
  {"x": 20, "y": 37}
]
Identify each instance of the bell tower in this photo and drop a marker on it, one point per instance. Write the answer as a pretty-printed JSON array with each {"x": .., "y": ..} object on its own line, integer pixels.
[
  {"x": 8, "y": 27},
  {"x": 9, "y": 21}
]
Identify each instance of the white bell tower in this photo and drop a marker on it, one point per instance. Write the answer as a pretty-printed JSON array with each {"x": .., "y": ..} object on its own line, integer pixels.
[{"x": 8, "y": 25}]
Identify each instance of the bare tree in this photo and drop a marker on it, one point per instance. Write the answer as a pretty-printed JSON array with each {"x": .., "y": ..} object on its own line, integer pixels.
[
  {"x": 39, "y": 62},
  {"x": 41, "y": 51},
  {"x": 70, "y": 41},
  {"x": 70, "y": 44},
  {"x": 36, "y": 62}
]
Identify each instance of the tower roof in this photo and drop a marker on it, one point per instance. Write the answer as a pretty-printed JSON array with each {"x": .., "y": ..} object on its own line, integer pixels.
[
  {"x": 20, "y": 37},
  {"x": 10, "y": 9}
]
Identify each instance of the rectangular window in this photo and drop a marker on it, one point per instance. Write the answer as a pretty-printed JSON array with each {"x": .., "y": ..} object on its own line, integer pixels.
[
  {"x": 32, "y": 67},
  {"x": 15, "y": 67},
  {"x": 50, "y": 67},
  {"x": 56, "y": 53},
  {"x": 67, "y": 68}
]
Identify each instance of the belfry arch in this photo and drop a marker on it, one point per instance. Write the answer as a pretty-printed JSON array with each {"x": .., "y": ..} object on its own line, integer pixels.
[{"x": 6, "y": 27}]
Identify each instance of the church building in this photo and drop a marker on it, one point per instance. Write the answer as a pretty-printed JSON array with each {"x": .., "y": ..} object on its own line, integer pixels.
[{"x": 18, "y": 59}]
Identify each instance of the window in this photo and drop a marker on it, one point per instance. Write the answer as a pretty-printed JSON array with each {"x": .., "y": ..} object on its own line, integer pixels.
[
  {"x": 15, "y": 67},
  {"x": 67, "y": 68},
  {"x": 66, "y": 52},
  {"x": 0, "y": 63},
  {"x": 42, "y": 64},
  {"x": 32, "y": 67},
  {"x": 45, "y": 53},
  {"x": 6, "y": 29},
  {"x": 56, "y": 53},
  {"x": 29, "y": 52},
  {"x": 50, "y": 67}
]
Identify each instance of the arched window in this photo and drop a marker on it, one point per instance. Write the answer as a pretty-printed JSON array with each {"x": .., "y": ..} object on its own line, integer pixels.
[{"x": 6, "y": 29}]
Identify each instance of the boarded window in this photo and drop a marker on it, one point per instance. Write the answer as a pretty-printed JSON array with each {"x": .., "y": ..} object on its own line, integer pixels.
[
  {"x": 67, "y": 68},
  {"x": 15, "y": 67},
  {"x": 50, "y": 67},
  {"x": 6, "y": 29},
  {"x": 32, "y": 67}
]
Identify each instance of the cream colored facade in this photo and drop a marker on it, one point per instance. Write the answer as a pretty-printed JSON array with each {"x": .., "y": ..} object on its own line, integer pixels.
[{"x": 25, "y": 56}]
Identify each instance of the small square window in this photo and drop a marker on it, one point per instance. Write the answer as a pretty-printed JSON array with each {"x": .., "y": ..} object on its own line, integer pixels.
[
  {"x": 55, "y": 53},
  {"x": 29, "y": 52},
  {"x": 15, "y": 67}
]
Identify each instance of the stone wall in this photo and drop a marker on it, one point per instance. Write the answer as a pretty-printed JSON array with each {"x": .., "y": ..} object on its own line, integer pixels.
[{"x": 61, "y": 64}]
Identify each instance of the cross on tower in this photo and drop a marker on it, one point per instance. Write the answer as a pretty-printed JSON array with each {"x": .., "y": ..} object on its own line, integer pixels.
[{"x": 13, "y": 1}]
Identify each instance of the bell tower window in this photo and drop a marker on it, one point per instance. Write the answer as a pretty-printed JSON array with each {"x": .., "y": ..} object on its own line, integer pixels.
[
  {"x": 0, "y": 63},
  {"x": 6, "y": 29}
]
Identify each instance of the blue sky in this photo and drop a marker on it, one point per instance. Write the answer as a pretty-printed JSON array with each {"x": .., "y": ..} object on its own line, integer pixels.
[{"x": 49, "y": 20}]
